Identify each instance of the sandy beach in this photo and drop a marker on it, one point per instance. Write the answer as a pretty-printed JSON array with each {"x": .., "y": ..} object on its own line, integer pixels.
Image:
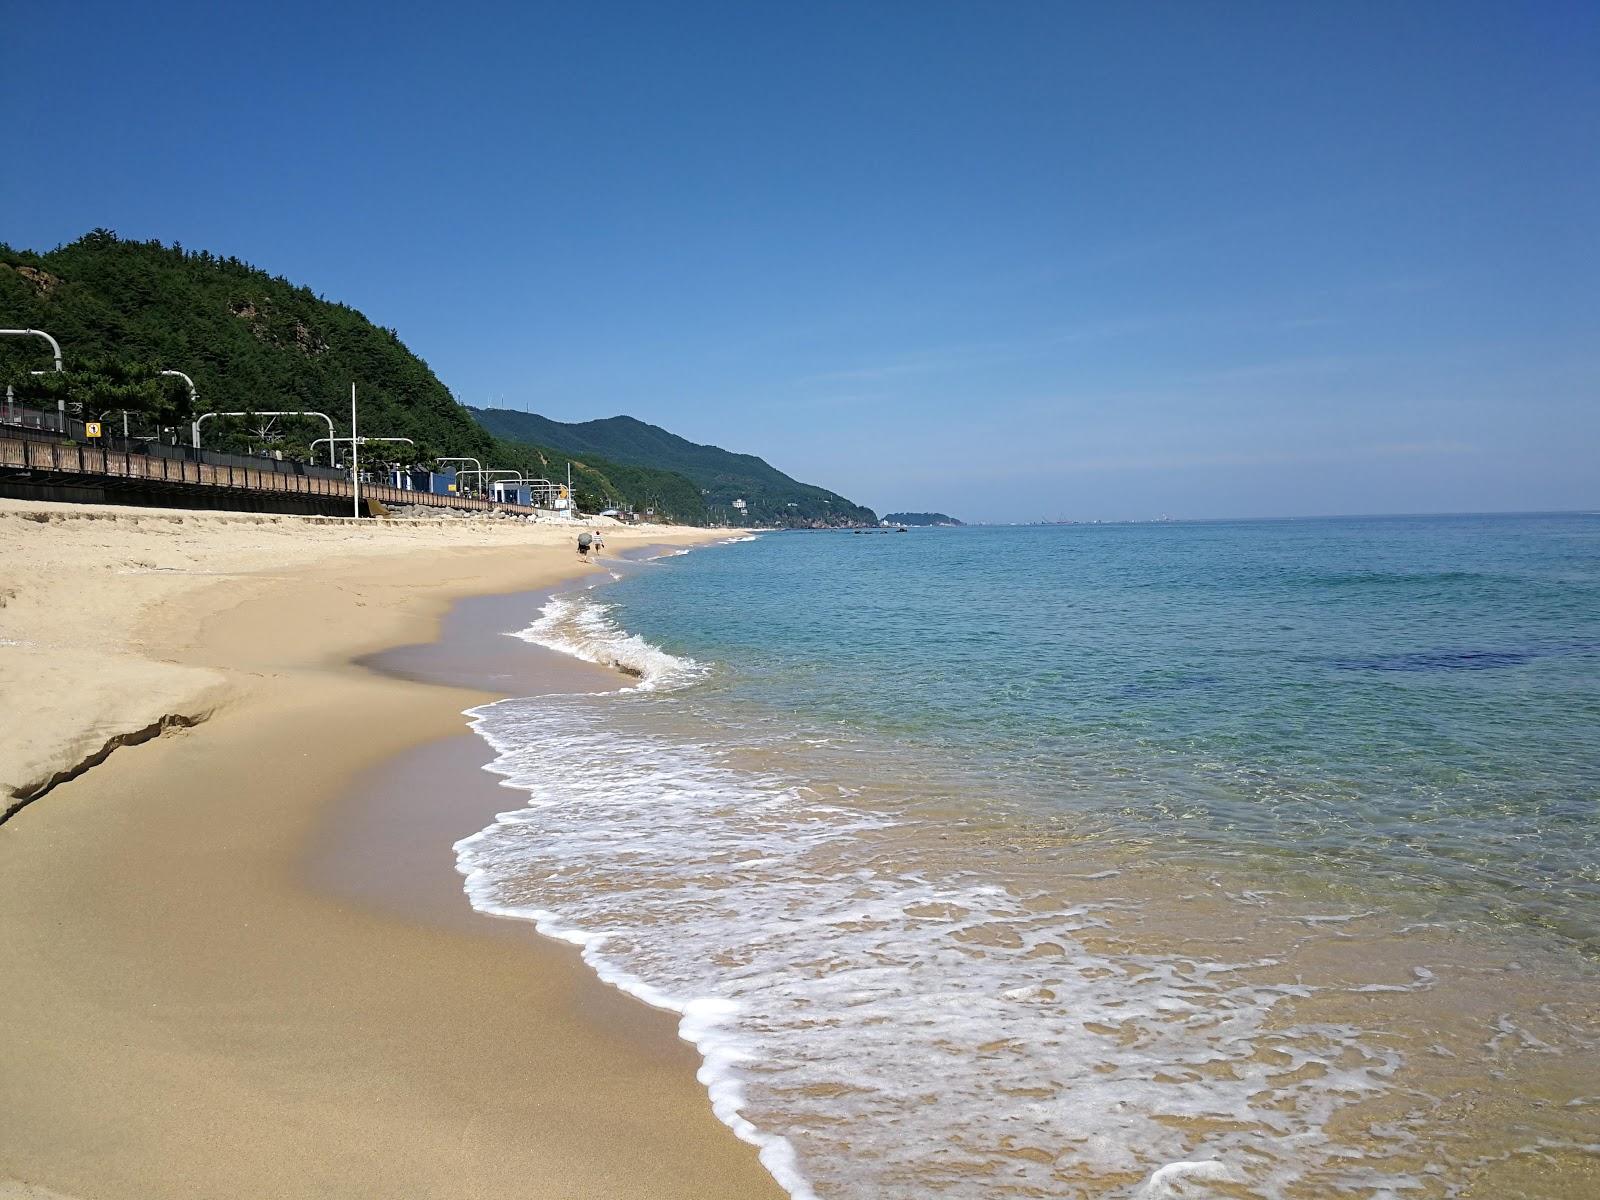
[{"x": 201, "y": 997}]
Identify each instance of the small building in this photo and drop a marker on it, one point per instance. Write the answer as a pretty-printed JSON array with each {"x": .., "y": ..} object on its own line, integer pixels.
[
  {"x": 443, "y": 482},
  {"x": 510, "y": 492},
  {"x": 410, "y": 479}
]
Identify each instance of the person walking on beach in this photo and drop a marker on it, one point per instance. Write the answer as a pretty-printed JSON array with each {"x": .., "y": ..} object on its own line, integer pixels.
[{"x": 584, "y": 539}]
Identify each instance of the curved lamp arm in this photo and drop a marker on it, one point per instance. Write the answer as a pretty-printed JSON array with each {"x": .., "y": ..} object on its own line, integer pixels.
[
  {"x": 55, "y": 346},
  {"x": 194, "y": 396},
  {"x": 296, "y": 413}
]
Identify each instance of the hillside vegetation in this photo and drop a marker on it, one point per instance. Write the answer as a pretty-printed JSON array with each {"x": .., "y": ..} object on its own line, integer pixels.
[
  {"x": 921, "y": 518},
  {"x": 124, "y": 310},
  {"x": 722, "y": 476}
]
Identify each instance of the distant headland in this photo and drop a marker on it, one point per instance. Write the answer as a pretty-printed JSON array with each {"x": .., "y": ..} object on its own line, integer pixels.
[{"x": 920, "y": 518}]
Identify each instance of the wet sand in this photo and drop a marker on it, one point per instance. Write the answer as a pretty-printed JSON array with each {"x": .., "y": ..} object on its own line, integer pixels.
[{"x": 191, "y": 1007}]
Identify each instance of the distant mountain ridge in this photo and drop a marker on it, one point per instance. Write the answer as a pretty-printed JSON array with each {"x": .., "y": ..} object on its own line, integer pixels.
[{"x": 723, "y": 476}]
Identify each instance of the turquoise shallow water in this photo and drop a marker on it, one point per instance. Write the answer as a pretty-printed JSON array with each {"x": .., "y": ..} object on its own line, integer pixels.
[
  {"x": 1413, "y": 699},
  {"x": 1208, "y": 860}
]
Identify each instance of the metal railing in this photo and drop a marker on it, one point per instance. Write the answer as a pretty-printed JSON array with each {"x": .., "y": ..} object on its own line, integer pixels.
[
  {"x": 23, "y": 417},
  {"x": 59, "y": 458},
  {"x": 17, "y": 421}
]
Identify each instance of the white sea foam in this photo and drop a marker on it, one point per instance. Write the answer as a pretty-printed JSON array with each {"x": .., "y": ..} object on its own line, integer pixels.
[
  {"x": 877, "y": 1021},
  {"x": 578, "y": 625},
  {"x": 680, "y": 551}
]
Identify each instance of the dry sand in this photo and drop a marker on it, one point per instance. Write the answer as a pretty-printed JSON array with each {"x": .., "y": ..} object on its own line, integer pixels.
[{"x": 184, "y": 1009}]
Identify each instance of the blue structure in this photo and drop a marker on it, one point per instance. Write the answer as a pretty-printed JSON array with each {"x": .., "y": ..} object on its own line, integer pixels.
[
  {"x": 512, "y": 493},
  {"x": 411, "y": 479},
  {"x": 443, "y": 482}
]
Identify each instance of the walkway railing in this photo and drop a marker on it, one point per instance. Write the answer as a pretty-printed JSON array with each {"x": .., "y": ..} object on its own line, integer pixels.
[{"x": 111, "y": 465}]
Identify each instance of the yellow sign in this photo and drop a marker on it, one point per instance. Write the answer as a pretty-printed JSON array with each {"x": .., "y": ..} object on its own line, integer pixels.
[
  {"x": 91, "y": 429},
  {"x": 451, "y": 486}
]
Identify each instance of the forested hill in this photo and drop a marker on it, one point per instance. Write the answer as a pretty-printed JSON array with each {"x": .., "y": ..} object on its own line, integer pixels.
[
  {"x": 921, "y": 518},
  {"x": 723, "y": 476},
  {"x": 125, "y": 310}
]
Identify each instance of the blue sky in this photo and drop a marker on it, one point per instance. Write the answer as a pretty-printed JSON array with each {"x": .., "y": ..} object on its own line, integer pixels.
[{"x": 1009, "y": 260}]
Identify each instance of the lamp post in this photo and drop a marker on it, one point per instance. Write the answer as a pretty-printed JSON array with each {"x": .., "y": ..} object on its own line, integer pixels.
[
  {"x": 332, "y": 442},
  {"x": 124, "y": 412},
  {"x": 194, "y": 403},
  {"x": 487, "y": 471},
  {"x": 485, "y": 483},
  {"x": 355, "y": 455},
  {"x": 473, "y": 461},
  {"x": 55, "y": 350},
  {"x": 296, "y": 413},
  {"x": 55, "y": 346}
]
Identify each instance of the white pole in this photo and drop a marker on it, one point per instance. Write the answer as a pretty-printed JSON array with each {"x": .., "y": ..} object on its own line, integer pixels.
[{"x": 355, "y": 454}]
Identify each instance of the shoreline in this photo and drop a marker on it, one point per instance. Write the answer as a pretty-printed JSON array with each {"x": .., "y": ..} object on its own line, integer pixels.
[
  {"x": 1403, "y": 1007},
  {"x": 188, "y": 1012}
]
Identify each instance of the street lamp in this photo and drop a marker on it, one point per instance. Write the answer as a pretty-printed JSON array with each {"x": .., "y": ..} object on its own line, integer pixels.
[
  {"x": 296, "y": 413},
  {"x": 334, "y": 441},
  {"x": 55, "y": 350},
  {"x": 487, "y": 484},
  {"x": 473, "y": 461},
  {"x": 55, "y": 346},
  {"x": 194, "y": 396},
  {"x": 194, "y": 403},
  {"x": 539, "y": 487},
  {"x": 486, "y": 471},
  {"x": 355, "y": 453}
]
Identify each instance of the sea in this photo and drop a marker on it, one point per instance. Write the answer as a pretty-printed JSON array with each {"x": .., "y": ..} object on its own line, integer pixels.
[{"x": 1227, "y": 859}]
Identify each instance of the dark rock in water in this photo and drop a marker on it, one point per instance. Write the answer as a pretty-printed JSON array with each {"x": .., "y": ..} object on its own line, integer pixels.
[{"x": 1461, "y": 660}]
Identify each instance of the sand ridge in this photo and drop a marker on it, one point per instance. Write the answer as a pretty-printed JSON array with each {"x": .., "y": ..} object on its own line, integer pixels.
[{"x": 81, "y": 661}]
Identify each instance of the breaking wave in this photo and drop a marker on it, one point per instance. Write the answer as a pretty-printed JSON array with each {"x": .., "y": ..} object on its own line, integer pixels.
[
  {"x": 578, "y": 625},
  {"x": 890, "y": 1009}
]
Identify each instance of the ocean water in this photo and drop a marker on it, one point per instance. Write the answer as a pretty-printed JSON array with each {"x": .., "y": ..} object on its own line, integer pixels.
[{"x": 1230, "y": 859}]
